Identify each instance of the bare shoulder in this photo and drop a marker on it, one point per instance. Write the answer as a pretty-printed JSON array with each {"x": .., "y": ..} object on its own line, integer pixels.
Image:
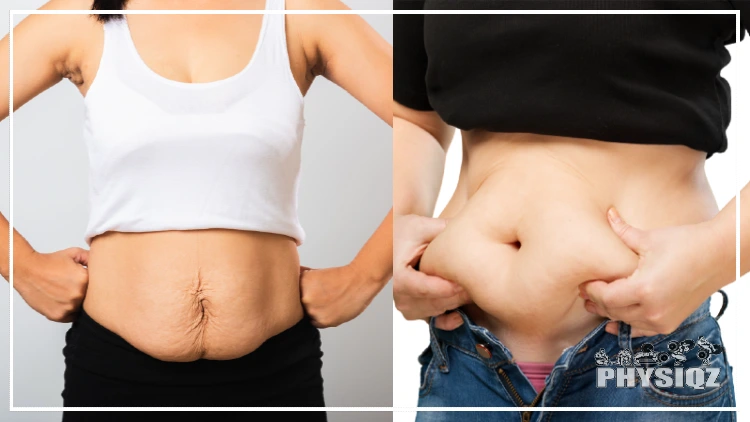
[
  {"x": 64, "y": 41},
  {"x": 315, "y": 29},
  {"x": 67, "y": 5},
  {"x": 78, "y": 18},
  {"x": 316, "y": 5},
  {"x": 62, "y": 29},
  {"x": 306, "y": 30},
  {"x": 314, "y": 23},
  {"x": 86, "y": 20}
]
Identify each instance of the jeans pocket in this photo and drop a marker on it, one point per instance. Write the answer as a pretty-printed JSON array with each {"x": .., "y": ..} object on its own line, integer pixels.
[
  {"x": 427, "y": 370},
  {"x": 697, "y": 373}
]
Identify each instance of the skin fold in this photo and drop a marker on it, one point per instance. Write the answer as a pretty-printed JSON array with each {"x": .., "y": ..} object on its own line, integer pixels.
[
  {"x": 215, "y": 293},
  {"x": 527, "y": 229}
]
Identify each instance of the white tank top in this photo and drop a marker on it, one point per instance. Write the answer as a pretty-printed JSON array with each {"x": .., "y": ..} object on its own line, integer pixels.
[{"x": 169, "y": 155}]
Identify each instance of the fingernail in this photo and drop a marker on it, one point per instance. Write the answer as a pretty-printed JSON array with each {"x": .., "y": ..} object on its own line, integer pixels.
[{"x": 613, "y": 215}]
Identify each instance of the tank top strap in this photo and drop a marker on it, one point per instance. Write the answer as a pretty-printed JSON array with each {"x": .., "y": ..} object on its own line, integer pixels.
[
  {"x": 112, "y": 57},
  {"x": 275, "y": 5},
  {"x": 116, "y": 32},
  {"x": 275, "y": 33}
]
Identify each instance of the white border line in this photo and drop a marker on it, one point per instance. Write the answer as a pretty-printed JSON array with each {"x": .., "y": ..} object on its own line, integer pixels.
[
  {"x": 376, "y": 409},
  {"x": 374, "y": 12},
  {"x": 10, "y": 211},
  {"x": 12, "y": 13},
  {"x": 202, "y": 12}
]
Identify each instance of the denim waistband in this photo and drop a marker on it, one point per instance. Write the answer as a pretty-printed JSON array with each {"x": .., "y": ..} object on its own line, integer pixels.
[{"x": 479, "y": 342}]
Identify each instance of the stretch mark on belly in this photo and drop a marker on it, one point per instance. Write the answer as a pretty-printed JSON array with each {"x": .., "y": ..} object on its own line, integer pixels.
[{"x": 201, "y": 314}]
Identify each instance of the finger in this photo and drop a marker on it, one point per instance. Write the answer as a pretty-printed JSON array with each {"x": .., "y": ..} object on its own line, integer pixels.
[
  {"x": 616, "y": 294},
  {"x": 427, "y": 229},
  {"x": 595, "y": 309},
  {"x": 441, "y": 306},
  {"x": 80, "y": 256},
  {"x": 637, "y": 332},
  {"x": 419, "y": 284},
  {"x": 628, "y": 314},
  {"x": 630, "y": 235},
  {"x": 449, "y": 321},
  {"x": 613, "y": 328}
]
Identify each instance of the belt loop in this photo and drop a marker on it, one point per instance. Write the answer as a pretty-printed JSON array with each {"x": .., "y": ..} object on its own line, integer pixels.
[
  {"x": 724, "y": 303},
  {"x": 624, "y": 338}
]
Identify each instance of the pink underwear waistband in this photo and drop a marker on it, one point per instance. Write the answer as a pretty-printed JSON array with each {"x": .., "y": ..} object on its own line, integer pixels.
[{"x": 536, "y": 372}]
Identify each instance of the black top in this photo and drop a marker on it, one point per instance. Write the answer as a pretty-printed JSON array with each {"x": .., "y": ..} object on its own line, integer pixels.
[{"x": 646, "y": 79}]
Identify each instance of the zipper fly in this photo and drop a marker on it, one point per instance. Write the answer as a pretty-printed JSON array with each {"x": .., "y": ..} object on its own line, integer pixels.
[{"x": 526, "y": 415}]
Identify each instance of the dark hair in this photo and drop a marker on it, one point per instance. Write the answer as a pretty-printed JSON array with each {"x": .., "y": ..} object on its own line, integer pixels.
[{"x": 108, "y": 5}]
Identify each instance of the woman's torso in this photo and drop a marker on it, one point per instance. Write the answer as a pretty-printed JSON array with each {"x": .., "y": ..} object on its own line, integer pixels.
[
  {"x": 214, "y": 293},
  {"x": 528, "y": 226},
  {"x": 528, "y": 219}
]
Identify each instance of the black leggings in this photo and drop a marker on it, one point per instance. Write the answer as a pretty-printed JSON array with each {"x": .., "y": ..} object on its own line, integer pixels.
[{"x": 103, "y": 370}]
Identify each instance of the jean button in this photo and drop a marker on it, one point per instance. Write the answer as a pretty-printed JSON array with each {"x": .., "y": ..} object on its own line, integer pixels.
[{"x": 483, "y": 351}]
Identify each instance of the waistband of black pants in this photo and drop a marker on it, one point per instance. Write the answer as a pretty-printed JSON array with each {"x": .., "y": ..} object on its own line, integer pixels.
[{"x": 93, "y": 347}]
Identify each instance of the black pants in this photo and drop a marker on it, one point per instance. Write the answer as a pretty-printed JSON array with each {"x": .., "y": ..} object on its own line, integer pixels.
[{"x": 103, "y": 370}]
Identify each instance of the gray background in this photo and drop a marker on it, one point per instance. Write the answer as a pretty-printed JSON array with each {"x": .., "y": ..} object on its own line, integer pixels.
[{"x": 344, "y": 194}]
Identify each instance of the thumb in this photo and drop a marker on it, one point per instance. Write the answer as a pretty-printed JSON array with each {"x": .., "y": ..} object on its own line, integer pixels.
[
  {"x": 630, "y": 235},
  {"x": 427, "y": 228},
  {"x": 80, "y": 256}
]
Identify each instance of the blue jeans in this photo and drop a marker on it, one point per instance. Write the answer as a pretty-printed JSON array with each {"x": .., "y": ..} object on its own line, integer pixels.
[{"x": 470, "y": 367}]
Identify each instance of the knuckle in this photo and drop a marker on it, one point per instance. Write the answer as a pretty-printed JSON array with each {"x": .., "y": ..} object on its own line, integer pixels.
[
  {"x": 398, "y": 286},
  {"x": 435, "y": 307},
  {"x": 68, "y": 308},
  {"x": 56, "y": 315},
  {"x": 439, "y": 307},
  {"x": 326, "y": 321},
  {"x": 654, "y": 317},
  {"x": 401, "y": 306},
  {"x": 421, "y": 289},
  {"x": 78, "y": 292},
  {"x": 410, "y": 316}
]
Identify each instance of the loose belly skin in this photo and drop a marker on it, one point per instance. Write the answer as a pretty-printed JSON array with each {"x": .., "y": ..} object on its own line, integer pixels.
[
  {"x": 528, "y": 226},
  {"x": 186, "y": 295}
]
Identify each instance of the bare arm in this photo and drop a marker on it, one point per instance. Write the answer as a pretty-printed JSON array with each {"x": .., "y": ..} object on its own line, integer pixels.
[
  {"x": 679, "y": 267},
  {"x": 355, "y": 57},
  {"x": 351, "y": 54},
  {"x": 43, "y": 48},
  {"x": 420, "y": 141}
]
